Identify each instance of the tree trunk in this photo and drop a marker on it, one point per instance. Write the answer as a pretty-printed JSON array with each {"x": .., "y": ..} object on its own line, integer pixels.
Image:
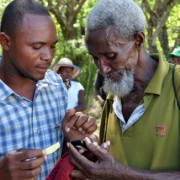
[
  {"x": 163, "y": 38},
  {"x": 157, "y": 16},
  {"x": 66, "y": 12}
]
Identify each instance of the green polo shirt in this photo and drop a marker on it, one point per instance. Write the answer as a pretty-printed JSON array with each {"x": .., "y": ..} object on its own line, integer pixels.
[{"x": 153, "y": 142}]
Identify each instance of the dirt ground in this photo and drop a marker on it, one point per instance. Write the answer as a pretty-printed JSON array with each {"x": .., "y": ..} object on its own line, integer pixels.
[{"x": 94, "y": 110}]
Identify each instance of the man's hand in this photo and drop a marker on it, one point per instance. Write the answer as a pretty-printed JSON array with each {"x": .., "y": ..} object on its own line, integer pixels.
[
  {"x": 22, "y": 164},
  {"x": 101, "y": 100},
  {"x": 78, "y": 125},
  {"x": 104, "y": 168}
]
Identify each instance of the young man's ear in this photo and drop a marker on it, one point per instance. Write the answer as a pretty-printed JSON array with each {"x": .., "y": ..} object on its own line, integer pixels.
[
  {"x": 139, "y": 38},
  {"x": 5, "y": 41}
]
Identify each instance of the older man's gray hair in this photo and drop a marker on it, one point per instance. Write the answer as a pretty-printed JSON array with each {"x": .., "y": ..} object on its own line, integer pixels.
[{"x": 123, "y": 15}]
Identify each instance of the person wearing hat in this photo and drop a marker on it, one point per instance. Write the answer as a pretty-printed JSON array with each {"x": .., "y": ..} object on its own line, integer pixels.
[
  {"x": 68, "y": 71},
  {"x": 175, "y": 56}
]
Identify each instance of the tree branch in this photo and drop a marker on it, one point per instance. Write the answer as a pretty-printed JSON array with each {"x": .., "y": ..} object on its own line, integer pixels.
[{"x": 163, "y": 16}]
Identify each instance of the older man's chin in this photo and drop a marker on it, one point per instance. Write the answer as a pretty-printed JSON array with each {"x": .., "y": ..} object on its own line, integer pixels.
[{"x": 119, "y": 89}]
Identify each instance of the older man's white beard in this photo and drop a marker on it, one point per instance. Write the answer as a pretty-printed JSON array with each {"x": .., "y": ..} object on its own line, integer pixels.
[{"x": 122, "y": 87}]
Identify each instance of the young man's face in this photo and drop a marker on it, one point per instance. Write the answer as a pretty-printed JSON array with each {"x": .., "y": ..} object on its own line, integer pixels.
[
  {"x": 115, "y": 60},
  {"x": 32, "y": 50}
]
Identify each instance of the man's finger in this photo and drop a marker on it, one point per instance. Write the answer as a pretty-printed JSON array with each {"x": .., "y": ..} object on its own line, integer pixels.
[
  {"x": 81, "y": 120},
  {"x": 94, "y": 138},
  {"x": 106, "y": 146},
  {"x": 77, "y": 174},
  {"x": 67, "y": 116},
  {"x": 71, "y": 123},
  {"x": 77, "y": 159},
  {"x": 95, "y": 149},
  {"x": 32, "y": 164},
  {"x": 89, "y": 126},
  {"x": 24, "y": 154},
  {"x": 90, "y": 130}
]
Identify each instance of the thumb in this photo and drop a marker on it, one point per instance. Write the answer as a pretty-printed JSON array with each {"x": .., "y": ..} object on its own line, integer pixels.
[{"x": 67, "y": 116}]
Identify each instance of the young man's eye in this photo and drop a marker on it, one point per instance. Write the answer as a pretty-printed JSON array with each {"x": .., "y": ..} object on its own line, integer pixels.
[{"x": 36, "y": 47}]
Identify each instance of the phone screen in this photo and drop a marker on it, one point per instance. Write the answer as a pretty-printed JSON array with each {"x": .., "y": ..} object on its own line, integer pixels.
[{"x": 80, "y": 144}]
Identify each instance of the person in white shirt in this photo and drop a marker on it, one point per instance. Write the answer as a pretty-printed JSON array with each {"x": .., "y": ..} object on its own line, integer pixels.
[{"x": 68, "y": 71}]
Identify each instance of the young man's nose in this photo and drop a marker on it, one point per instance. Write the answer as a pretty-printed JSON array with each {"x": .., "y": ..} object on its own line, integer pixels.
[{"x": 48, "y": 54}]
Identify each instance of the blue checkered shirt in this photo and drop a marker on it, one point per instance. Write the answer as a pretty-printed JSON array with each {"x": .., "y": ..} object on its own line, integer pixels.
[{"x": 33, "y": 124}]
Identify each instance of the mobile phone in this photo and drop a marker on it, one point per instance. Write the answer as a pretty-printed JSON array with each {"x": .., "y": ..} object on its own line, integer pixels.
[{"x": 80, "y": 144}]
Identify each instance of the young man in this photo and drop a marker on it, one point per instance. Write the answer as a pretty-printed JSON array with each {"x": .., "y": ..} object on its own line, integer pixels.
[
  {"x": 33, "y": 99},
  {"x": 140, "y": 118}
]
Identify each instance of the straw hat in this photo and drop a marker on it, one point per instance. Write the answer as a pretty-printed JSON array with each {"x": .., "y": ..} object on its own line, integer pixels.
[
  {"x": 176, "y": 52},
  {"x": 65, "y": 62}
]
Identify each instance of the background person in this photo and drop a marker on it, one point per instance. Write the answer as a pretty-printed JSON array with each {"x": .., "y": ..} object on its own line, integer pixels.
[
  {"x": 33, "y": 99},
  {"x": 68, "y": 71},
  {"x": 140, "y": 117},
  {"x": 174, "y": 57},
  {"x": 98, "y": 89}
]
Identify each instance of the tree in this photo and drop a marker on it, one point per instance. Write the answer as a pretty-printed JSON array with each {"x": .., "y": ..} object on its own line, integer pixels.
[
  {"x": 66, "y": 13},
  {"x": 71, "y": 16},
  {"x": 163, "y": 27},
  {"x": 162, "y": 32},
  {"x": 157, "y": 13}
]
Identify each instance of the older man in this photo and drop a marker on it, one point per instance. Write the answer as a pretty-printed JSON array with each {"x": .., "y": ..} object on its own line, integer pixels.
[{"x": 140, "y": 118}]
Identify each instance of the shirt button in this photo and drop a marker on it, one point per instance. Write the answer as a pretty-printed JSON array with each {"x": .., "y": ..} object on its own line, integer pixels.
[
  {"x": 38, "y": 131},
  {"x": 57, "y": 126}
]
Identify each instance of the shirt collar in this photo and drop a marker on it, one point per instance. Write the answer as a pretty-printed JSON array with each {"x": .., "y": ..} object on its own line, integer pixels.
[
  {"x": 6, "y": 91},
  {"x": 155, "y": 84}
]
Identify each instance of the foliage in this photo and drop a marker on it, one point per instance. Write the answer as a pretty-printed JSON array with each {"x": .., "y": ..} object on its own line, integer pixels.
[
  {"x": 76, "y": 51},
  {"x": 158, "y": 27},
  {"x": 74, "y": 48},
  {"x": 173, "y": 26}
]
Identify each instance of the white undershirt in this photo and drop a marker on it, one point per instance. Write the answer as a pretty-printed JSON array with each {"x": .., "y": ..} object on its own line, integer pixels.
[
  {"x": 73, "y": 93},
  {"x": 135, "y": 116}
]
